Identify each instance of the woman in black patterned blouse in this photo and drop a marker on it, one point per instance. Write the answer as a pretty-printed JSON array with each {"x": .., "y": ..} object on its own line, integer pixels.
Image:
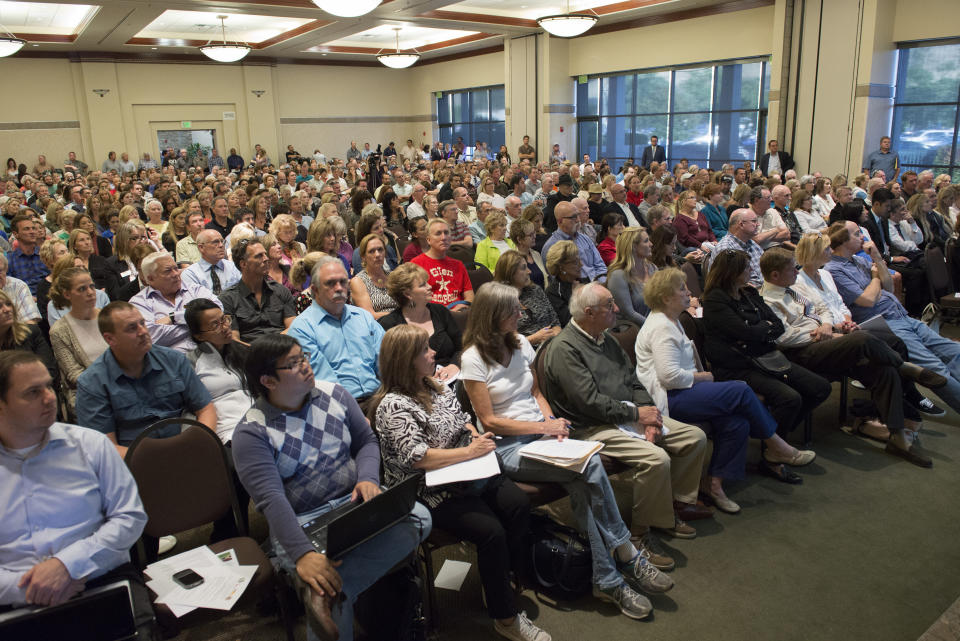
[
  {"x": 422, "y": 427},
  {"x": 538, "y": 320}
]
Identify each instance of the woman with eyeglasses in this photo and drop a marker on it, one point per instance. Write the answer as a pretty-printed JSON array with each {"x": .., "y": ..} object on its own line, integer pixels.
[
  {"x": 739, "y": 328},
  {"x": 121, "y": 277},
  {"x": 524, "y": 236}
]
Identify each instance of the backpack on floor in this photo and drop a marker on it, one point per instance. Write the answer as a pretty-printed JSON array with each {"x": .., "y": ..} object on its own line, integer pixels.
[{"x": 559, "y": 560}]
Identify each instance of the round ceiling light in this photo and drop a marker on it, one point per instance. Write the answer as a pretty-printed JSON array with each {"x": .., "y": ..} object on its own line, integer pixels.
[{"x": 347, "y": 8}]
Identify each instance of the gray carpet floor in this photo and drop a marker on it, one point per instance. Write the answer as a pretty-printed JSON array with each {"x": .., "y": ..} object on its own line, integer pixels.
[{"x": 866, "y": 549}]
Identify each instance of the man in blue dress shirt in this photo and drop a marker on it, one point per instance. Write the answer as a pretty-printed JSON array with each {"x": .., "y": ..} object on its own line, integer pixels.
[
  {"x": 568, "y": 228},
  {"x": 69, "y": 508},
  {"x": 343, "y": 341}
]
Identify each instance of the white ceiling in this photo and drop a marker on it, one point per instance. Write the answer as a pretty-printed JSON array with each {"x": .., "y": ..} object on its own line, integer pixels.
[
  {"x": 284, "y": 29},
  {"x": 411, "y": 36},
  {"x": 205, "y": 25},
  {"x": 45, "y": 18}
]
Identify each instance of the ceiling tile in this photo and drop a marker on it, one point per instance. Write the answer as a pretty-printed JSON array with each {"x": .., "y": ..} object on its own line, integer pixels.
[
  {"x": 46, "y": 18},
  {"x": 200, "y": 25}
]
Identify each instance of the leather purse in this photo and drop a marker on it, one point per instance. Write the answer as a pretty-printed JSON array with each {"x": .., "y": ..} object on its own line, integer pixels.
[{"x": 773, "y": 363}]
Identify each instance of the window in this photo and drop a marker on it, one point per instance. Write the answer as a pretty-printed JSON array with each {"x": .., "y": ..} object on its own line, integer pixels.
[
  {"x": 473, "y": 114},
  {"x": 708, "y": 115},
  {"x": 926, "y": 109}
]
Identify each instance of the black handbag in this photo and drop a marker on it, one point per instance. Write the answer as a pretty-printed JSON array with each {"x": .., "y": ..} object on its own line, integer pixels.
[
  {"x": 773, "y": 363},
  {"x": 560, "y": 562}
]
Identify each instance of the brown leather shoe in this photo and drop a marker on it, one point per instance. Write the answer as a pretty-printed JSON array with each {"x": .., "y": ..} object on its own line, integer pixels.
[{"x": 691, "y": 511}]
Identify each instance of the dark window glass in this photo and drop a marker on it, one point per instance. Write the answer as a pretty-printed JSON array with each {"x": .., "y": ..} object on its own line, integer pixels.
[
  {"x": 472, "y": 114},
  {"x": 709, "y": 115}
]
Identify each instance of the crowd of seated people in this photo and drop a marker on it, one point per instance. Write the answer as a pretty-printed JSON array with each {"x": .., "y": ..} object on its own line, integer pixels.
[{"x": 348, "y": 301}]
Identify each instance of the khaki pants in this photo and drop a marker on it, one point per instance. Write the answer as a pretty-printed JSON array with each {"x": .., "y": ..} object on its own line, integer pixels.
[{"x": 661, "y": 473}]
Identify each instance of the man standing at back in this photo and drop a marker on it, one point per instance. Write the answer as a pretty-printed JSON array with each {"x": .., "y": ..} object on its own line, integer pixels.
[
  {"x": 775, "y": 160},
  {"x": 883, "y": 159},
  {"x": 652, "y": 153}
]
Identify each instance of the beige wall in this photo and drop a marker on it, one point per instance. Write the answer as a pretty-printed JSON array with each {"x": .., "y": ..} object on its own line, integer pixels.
[
  {"x": 926, "y": 20},
  {"x": 838, "y": 111},
  {"x": 742, "y": 34}
]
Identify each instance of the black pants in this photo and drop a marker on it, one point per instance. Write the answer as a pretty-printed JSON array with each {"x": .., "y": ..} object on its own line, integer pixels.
[
  {"x": 789, "y": 397},
  {"x": 910, "y": 391},
  {"x": 496, "y": 521},
  {"x": 864, "y": 357}
]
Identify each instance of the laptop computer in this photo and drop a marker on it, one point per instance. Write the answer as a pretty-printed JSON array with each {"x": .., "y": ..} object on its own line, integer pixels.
[
  {"x": 338, "y": 531},
  {"x": 99, "y": 614}
]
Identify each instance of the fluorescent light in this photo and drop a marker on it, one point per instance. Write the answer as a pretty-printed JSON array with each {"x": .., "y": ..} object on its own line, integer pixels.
[
  {"x": 567, "y": 25},
  {"x": 10, "y": 46},
  {"x": 398, "y": 60},
  {"x": 347, "y": 8}
]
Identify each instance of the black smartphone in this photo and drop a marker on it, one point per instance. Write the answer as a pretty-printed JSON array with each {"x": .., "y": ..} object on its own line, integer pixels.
[{"x": 187, "y": 579}]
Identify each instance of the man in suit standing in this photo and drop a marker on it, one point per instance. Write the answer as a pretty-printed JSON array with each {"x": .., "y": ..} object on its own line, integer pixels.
[
  {"x": 653, "y": 153},
  {"x": 775, "y": 160}
]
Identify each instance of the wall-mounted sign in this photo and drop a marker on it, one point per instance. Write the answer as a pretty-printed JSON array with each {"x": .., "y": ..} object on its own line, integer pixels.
[
  {"x": 229, "y": 115},
  {"x": 185, "y": 124}
]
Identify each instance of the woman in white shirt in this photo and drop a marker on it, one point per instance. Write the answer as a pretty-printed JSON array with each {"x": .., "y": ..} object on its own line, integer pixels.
[
  {"x": 670, "y": 369},
  {"x": 802, "y": 207},
  {"x": 816, "y": 284},
  {"x": 219, "y": 362},
  {"x": 499, "y": 377},
  {"x": 823, "y": 202}
]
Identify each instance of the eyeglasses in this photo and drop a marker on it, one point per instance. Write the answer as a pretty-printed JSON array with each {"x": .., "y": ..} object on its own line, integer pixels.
[
  {"x": 296, "y": 363},
  {"x": 224, "y": 321}
]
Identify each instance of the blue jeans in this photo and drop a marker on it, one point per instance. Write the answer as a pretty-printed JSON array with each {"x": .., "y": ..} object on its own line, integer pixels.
[
  {"x": 931, "y": 350},
  {"x": 735, "y": 414},
  {"x": 591, "y": 498},
  {"x": 365, "y": 564}
]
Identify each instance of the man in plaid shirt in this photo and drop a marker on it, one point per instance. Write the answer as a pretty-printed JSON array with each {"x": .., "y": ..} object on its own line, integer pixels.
[{"x": 24, "y": 261}]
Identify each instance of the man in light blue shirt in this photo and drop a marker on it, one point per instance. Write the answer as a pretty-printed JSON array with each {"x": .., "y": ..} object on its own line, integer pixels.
[
  {"x": 69, "y": 508},
  {"x": 212, "y": 270},
  {"x": 343, "y": 341},
  {"x": 568, "y": 228}
]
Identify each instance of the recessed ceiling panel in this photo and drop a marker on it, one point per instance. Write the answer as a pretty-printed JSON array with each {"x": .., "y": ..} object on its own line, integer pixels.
[
  {"x": 527, "y": 9},
  {"x": 200, "y": 25},
  {"x": 45, "y": 18},
  {"x": 384, "y": 37}
]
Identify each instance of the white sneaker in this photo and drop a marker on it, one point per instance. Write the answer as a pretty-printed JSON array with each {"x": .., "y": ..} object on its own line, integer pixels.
[
  {"x": 167, "y": 543},
  {"x": 522, "y": 629}
]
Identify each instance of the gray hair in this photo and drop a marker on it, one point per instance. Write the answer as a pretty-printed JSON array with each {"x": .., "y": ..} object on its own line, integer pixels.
[
  {"x": 150, "y": 201},
  {"x": 583, "y": 297},
  {"x": 149, "y": 264},
  {"x": 806, "y": 178},
  {"x": 320, "y": 264}
]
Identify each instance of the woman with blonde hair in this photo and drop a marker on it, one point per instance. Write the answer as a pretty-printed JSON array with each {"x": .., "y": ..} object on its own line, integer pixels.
[
  {"x": 490, "y": 248},
  {"x": 52, "y": 250},
  {"x": 284, "y": 230},
  {"x": 52, "y": 217},
  {"x": 422, "y": 427},
  {"x": 300, "y": 277},
  {"x": 486, "y": 192},
  {"x": 260, "y": 206},
  {"x": 629, "y": 272},
  {"x": 121, "y": 278},
  {"x": 538, "y": 320},
  {"x": 75, "y": 337},
  {"x": 922, "y": 208},
  {"x": 693, "y": 229},
  {"x": 324, "y": 236},
  {"x": 523, "y": 234},
  {"x": 369, "y": 287},
  {"x": 409, "y": 286},
  {"x": 176, "y": 229},
  {"x": 66, "y": 219},
  {"x": 81, "y": 244},
  {"x": 670, "y": 370},
  {"x": 276, "y": 269},
  {"x": 16, "y": 334},
  {"x": 564, "y": 266}
]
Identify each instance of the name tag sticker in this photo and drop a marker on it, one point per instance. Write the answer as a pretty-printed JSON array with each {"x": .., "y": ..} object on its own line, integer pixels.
[{"x": 125, "y": 274}]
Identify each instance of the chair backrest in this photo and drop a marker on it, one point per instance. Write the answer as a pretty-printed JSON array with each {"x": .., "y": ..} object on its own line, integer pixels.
[
  {"x": 464, "y": 399},
  {"x": 461, "y": 253},
  {"x": 184, "y": 480},
  {"x": 626, "y": 334},
  {"x": 479, "y": 275},
  {"x": 950, "y": 251},
  {"x": 693, "y": 279},
  {"x": 460, "y": 316},
  {"x": 938, "y": 276}
]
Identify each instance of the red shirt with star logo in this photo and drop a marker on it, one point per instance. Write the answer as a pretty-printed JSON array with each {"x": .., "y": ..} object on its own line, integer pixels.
[{"x": 448, "y": 278}]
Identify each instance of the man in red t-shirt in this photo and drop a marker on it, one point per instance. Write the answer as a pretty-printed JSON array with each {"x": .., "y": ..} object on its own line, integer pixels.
[{"x": 447, "y": 276}]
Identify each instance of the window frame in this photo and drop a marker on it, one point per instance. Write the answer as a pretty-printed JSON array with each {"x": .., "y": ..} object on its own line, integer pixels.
[
  {"x": 445, "y": 130},
  {"x": 670, "y": 113}
]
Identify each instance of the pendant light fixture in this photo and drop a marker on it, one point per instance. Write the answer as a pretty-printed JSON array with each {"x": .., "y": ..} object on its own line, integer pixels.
[
  {"x": 347, "y": 8},
  {"x": 9, "y": 43},
  {"x": 398, "y": 60},
  {"x": 567, "y": 25},
  {"x": 225, "y": 51}
]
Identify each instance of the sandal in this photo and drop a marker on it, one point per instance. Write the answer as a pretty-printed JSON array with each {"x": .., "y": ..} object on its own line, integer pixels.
[
  {"x": 780, "y": 472},
  {"x": 871, "y": 428}
]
